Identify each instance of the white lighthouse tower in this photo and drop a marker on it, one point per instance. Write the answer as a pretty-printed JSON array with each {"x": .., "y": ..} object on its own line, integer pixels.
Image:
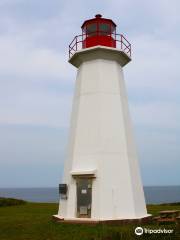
[{"x": 101, "y": 174}]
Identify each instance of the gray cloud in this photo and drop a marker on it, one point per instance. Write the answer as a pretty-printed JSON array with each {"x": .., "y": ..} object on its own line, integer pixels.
[{"x": 36, "y": 81}]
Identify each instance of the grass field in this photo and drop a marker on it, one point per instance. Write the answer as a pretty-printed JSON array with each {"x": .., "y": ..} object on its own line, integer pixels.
[{"x": 33, "y": 221}]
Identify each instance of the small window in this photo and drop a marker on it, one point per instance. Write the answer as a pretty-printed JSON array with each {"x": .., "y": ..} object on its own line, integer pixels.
[
  {"x": 104, "y": 29},
  {"x": 91, "y": 29}
]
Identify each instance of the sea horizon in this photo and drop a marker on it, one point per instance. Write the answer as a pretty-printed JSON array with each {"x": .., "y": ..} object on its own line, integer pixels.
[
  {"x": 153, "y": 194},
  {"x": 178, "y": 185}
]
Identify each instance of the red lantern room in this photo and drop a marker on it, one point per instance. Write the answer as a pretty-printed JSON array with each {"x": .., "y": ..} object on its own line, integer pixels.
[{"x": 99, "y": 31}]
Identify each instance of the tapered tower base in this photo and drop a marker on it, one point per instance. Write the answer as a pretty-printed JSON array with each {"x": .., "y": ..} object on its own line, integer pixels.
[{"x": 101, "y": 172}]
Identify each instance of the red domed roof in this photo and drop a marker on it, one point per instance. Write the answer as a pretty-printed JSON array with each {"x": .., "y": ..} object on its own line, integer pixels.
[{"x": 98, "y": 18}]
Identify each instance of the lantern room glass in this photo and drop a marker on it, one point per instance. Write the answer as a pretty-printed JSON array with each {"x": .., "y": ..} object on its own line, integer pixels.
[
  {"x": 91, "y": 29},
  {"x": 98, "y": 28}
]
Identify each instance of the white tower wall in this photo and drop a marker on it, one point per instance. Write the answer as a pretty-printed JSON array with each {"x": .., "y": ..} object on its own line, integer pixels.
[{"x": 101, "y": 142}]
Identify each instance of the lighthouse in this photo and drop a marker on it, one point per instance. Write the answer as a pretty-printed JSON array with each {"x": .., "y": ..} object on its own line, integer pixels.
[{"x": 101, "y": 174}]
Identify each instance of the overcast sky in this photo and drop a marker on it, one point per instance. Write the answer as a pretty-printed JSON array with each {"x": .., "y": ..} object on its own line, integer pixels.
[{"x": 37, "y": 83}]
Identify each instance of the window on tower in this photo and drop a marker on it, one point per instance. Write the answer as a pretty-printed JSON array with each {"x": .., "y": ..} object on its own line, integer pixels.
[
  {"x": 104, "y": 29},
  {"x": 91, "y": 29}
]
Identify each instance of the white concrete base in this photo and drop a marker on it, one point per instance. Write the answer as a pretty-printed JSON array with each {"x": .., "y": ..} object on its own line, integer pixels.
[{"x": 95, "y": 220}]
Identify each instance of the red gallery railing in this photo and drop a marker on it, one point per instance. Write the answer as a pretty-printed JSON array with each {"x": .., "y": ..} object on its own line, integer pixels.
[{"x": 119, "y": 42}]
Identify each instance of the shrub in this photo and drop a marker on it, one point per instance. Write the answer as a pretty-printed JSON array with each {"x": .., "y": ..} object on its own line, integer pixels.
[{"x": 10, "y": 202}]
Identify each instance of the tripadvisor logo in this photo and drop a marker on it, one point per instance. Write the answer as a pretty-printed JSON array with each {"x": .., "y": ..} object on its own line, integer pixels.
[{"x": 140, "y": 231}]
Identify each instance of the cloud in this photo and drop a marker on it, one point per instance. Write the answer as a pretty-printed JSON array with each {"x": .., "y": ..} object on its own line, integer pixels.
[
  {"x": 32, "y": 143},
  {"x": 150, "y": 17},
  {"x": 32, "y": 66},
  {"x": 161, "y": 115},
  {"x": 37, "y": 82},
  {"x": 37, "y": 108},
  {"x": 21, "y": 60},
  {"x": 154, "y": 65}
]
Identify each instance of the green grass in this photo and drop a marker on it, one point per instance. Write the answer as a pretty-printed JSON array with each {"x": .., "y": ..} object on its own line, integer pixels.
[
  {"x": 10, "y": 202},
  {"x": 33, "y": 221}
]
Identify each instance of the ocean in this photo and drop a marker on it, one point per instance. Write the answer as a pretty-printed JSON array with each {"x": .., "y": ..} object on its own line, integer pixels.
[{"x": 153, "y": 195}]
